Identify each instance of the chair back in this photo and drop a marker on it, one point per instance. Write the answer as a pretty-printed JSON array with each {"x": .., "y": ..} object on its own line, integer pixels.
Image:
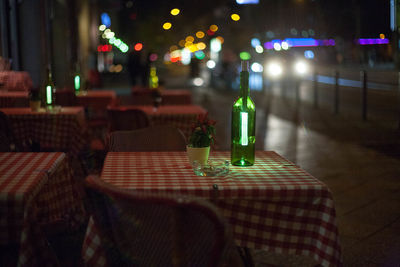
[
  {"x": 156, "y": 138},
  {"x": 7, "y": 140},
  {"x": 65, "y": 97},
  {"x": 144, "y": 229},
  {"x": 127, "y": 119}
]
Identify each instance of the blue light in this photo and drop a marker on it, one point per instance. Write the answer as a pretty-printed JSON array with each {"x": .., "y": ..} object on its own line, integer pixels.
[
  {"x": 298, "y": 42},
  {"x": 255, "y": 42},
  {"x": 309, "y": 54},
  {"x": 256, "y": 81},
  {"x": 106, "y": 20}
]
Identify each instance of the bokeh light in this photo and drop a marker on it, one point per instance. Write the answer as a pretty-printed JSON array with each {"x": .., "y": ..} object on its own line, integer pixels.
[
  {"x": 285, "y": 45},
  {"x": 244, "y": 55},
  {"x": 259, "y": 49},
  {"x": 173, "y": 48},
  {"x": 189, "y": 39},
  {"x": 102, "y": 27},
  {"x": 167, "y": 25},
  {"x": 175, "y": 11},
  {"x": 256, "y": 67},
  {"x": 138, "y": 46},
  {"x": 182, "y": 43},
  {"x": 214, "y": 28},
  {"x": 153, "y": 57},
  {"x": 221, "y": 39},
  {"x": 382, "y": 36},
  {"x": 211, "y": 64},
  {"x": 200, "y": 34},
  {"x": 201, "y": 46},
  {"x": 198, "y": 81},
  {"x": 235, "y": 17},
  {"x": 199, "y": 55}
]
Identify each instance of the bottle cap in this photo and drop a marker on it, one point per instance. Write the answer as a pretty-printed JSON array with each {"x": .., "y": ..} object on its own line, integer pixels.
[{"x": 245, "y": 66}]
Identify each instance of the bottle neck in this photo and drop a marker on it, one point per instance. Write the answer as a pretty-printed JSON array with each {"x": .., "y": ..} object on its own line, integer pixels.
[{"x": 244, "y": 84}]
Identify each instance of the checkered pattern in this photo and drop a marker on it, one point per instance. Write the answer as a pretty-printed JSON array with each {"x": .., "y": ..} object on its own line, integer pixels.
[
  {"x": 273, "y": 205},
  {"x": 179, "y": 116},
  {"x": 14, "y": 99},
  {"x": 15, "y": 81},
  {"x": 35, "y": 188},
  {"x": 63, "y": 131}
]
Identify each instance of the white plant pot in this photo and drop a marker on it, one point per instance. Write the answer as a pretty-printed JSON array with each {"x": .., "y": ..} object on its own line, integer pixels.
[{"x": 198, "y": 153}]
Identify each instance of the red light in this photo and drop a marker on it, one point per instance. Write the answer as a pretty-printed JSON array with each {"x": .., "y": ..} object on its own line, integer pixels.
[
  {"x": 210, "y": 32},
  {"x": 132, "y": 16},
  {"x": 153, "y": 57},
  {"x": 138, "y": 46},
  {"x": 104, "y": 48}
]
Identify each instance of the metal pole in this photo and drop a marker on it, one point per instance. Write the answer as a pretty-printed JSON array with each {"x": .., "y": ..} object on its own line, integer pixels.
[
  {"x": 364, "y": 94},
  {"x": 336, "y": 99},
  {"x": 297, "y": 88},
  {"x": 315, "y": 89},
  {"x": 398, "y": 97}
]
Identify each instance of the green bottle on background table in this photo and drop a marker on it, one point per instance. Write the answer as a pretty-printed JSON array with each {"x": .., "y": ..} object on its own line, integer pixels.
[
  {"x": 50, "y": 89},
  {"x": 243, "y": 123}
]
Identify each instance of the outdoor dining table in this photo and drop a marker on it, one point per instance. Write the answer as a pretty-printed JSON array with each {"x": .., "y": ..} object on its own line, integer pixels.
[
  {"x": 58, "y": 130},
  {"x": 96, "y": 99},
  {"x": 273, "y": 205},
  {"x": 145, "y": 96},
  {"x": 179, "y": 116},
  {"x": 14, "y": 99},
  {"x": 36, "y": 189}
]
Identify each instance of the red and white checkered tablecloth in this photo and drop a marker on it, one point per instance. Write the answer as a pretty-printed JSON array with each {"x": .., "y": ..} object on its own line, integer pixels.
[
  {"x": 273, "y": 205},
  {"x": 35, "y": 189},
  {"x": 59, "y": 131},
  {"x": 14, "y": 99},
  {"x": 179, "y": 116}
]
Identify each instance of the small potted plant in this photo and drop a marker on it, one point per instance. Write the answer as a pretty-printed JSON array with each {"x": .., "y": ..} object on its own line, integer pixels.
[
  {"x": 34, "y": 100},
  {"x": 202, "y": 136}
]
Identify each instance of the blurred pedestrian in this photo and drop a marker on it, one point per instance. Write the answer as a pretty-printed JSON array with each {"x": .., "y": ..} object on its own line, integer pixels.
[{"x": 134, "y": 66}]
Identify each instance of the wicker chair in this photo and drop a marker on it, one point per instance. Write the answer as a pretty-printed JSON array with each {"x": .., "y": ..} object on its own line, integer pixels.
[
  {"x": 127, "y": 119},
  {"x": 156, "y": 138},
  {"x": 143, "y": 229}
]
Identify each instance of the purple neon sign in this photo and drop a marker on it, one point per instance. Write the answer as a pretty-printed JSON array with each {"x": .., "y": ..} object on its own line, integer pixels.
[{"x": 372, "y": 41}]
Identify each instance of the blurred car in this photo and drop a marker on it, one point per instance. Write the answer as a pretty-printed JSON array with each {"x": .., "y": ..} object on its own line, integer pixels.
[{"x": 285, "y": 65}]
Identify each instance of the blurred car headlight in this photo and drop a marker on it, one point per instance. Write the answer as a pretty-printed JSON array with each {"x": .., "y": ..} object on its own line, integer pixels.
[
  {"x": 301, "y": 67},
  {"x": 274, "y": 69}
]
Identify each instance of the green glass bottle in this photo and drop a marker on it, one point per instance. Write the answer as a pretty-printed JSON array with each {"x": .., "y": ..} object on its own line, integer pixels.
[
  {"x": 243, "y": 123},
  {"x": 50, "y": 89},
  {"x": 77, "y": 78}
]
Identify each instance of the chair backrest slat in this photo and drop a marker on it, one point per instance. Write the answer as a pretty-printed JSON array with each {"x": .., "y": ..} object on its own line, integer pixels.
[{"x": 156, "y": 138}]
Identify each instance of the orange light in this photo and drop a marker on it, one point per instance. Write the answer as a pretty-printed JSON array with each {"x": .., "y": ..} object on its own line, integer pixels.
[
  {"x": 182, "y": 43},
  {"x": 382, "y": 36},
  {"x": 189, "y": 39},
  {"x": 199, "y": 34},
  {"x": 173, "y": 48},
  {"x": 214, "y": 28},
  {"x": 221, "y": 39}
]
